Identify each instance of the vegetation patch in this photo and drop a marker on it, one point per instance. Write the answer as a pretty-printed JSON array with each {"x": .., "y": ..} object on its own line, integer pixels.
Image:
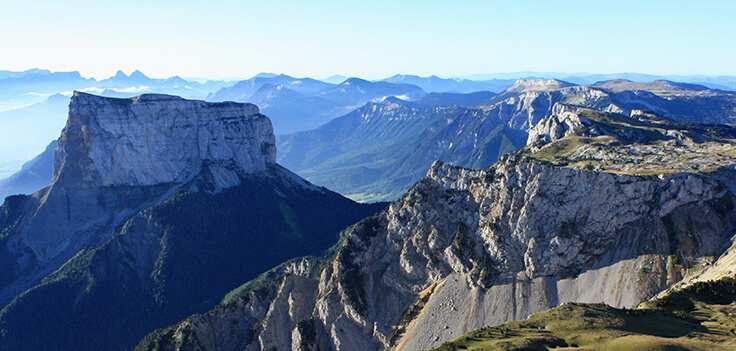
[{"x": 699, "y": 317}]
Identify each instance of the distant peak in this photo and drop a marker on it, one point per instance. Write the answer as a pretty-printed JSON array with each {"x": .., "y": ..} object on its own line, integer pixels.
[
  {"x": 354, "y": 80},
  {"x": 138, "y": 74},
  {"x": 265, "y": 75},
  {"x": 120, "y": 74}
]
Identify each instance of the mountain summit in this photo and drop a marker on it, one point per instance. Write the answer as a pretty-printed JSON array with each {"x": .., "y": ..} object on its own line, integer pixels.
[{"x": 129, "y": 141}]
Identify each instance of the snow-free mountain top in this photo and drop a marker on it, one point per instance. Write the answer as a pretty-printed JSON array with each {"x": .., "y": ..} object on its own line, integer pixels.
[
  {"x": 154, "y": 139},
  {"x": 526, "y": 85}
]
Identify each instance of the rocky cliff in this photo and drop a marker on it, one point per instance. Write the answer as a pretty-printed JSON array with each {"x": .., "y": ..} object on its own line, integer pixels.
[
  {"x": 469, "y": 248},
  {"x": 155, "y": 139}
]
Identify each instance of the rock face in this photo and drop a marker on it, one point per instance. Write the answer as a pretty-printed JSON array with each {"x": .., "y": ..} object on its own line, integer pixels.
[
  {"x": 155, "y": 139},
  {"x": 564, "y": 121},
  {"x": 471, "y": 248}
]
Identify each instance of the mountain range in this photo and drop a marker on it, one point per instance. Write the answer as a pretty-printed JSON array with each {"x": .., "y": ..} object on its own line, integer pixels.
[
  {"x": 19, "y": 89},
  {"x": 302, "y": 104},
  {"x": 381, "y": 149},
  {"x": 377, "y": 151}
]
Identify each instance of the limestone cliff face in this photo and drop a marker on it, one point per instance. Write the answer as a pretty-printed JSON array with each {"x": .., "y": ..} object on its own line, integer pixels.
[
  {"x": 471, "y": 248},
  {"x": 117, "y": 157},
  {"x": 154, "y": 139},
  {"x": 564, "y": 121}
]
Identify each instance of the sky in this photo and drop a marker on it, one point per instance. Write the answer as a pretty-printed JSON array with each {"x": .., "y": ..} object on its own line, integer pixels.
[{"x": 369, "y": 39}]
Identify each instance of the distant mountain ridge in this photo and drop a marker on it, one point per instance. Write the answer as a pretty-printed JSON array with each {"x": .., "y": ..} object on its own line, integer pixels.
[
  {"x": 297, "y": 104},
  {"x": 19, "y": 89},
  {"x": 434, "y": 84},
  {"x": 34, "y": 175},
  {"x": 365, "y": 155}
]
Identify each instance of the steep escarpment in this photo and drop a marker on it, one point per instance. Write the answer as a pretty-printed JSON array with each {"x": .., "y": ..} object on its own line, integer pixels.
[
  {"x": 470, "y": 248},
  {"x": 159, "y": 206},
  {"x": 154, "y": 139}
]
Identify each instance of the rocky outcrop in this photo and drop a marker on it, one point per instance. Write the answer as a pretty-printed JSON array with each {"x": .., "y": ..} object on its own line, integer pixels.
[
  {"x": 465, "y": 249},
  {"x": 535, "y": 84},
  {"x": 564, "y": 121}
]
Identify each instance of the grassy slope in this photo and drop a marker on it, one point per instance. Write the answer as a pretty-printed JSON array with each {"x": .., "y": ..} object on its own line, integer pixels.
[
  {"x": 701, "y": 317},
  {"x": 645, "y": 147}
]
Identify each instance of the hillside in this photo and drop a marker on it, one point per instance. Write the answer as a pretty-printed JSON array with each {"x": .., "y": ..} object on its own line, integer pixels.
[{"x": 380, "y": 150}]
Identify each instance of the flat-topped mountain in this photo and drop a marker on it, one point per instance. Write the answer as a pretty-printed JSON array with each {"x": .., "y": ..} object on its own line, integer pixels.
[
  {"x": 158, "y": 207},
  {"x": 527, "y": 85},
  {"x": 123, "y": 145}
]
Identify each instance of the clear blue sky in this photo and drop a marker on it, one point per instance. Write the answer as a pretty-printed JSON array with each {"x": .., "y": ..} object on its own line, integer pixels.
[{"x": 371, "y": 39}]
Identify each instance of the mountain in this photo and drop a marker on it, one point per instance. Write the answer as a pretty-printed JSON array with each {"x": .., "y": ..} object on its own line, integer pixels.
[
  {"x": 303, "y": 104},
  {"x": 158, "y": 206},
  {"x": 243, "y": 90},
  {"x": 434, "y": 84},
  {"x": 290, "y": 111},
  {"x": 599, "y": 207},
  {"x": 712, "y": 82},
  {"x": 138, "y": 83},
  {"x": 33, "y": 105},
  {"x": 34, "y": 175},
  {"x": 382, "y": 148},
  {"x": 18, "y": 89},
  {"x": 288, "y": 101},
  {"x": 355, "y": 92}
]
